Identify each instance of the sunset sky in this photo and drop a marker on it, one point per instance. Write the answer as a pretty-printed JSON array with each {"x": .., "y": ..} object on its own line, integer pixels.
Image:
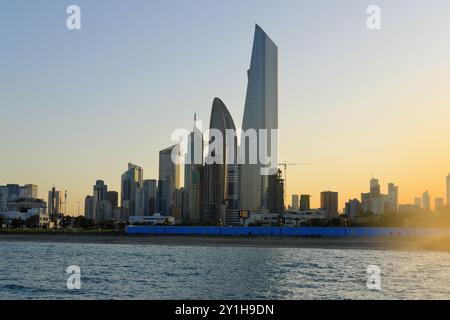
[{"x": 77, "y": 106}]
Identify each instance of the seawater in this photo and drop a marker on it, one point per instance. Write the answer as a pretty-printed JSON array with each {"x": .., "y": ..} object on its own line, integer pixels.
[{"x": 115, "y": 271}]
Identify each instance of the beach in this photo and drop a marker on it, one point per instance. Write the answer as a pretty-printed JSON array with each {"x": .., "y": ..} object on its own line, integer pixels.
[{"x": 372, "y": 243}]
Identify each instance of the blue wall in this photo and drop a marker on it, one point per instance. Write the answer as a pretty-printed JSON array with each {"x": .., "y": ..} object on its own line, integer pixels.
[{"x": 299, "y": 232}]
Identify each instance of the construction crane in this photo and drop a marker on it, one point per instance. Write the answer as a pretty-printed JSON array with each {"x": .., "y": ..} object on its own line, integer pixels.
[{"x": 285, "y": 165}]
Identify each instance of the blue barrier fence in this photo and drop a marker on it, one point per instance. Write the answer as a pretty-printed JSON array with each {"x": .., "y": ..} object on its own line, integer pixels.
[{"x": 293, "y": 232}]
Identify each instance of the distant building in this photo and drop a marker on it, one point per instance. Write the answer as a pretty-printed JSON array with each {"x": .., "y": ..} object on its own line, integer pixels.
[
  {"x": 365, "y": 203},
  {"x": 155, "y": 219},
  {"x": 426, "y": 201},
  {"x": 113, "y": 198},
  {"x": 131, "y": 180},
  {"x": 100, "y": 191},
  {"x": 89, "y": 207},
  {"x": 221, "y": 174},
  {"x": 294, "y": 202},
  {"x": 374, "y": 188},
  {"x": 169, "y": 179},
  {"x": 329, "y": 203},
  {"x": 305, "y": 202},
  {"x": 438, "y": 204},
  {"x": 352, "y": 208},
  {"x": 418, "y": 202},
  {"x": 288, "y": 219},
  {"x": 11, "y": 192},
  {"x": 276, "y": 193},
  {"x": 260, "y": 112},
  {"x": 393, "y": 197},
  {"x": 54, "y": 203},
  {"x": 409, "y": 208}
]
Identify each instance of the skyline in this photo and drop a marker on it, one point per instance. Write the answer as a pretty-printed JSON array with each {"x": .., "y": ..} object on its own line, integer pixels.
[{"x": 74, "y": 124}]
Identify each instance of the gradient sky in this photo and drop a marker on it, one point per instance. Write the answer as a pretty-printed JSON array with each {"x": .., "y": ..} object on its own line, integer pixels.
[{"x": 76, "y": 106}]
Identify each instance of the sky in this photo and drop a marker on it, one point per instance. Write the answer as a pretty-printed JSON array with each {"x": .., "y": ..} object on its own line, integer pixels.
[{"x": 78, "y": 105}]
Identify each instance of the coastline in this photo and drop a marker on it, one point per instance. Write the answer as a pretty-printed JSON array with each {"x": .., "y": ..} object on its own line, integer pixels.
[{"x": 366, "y": 243}]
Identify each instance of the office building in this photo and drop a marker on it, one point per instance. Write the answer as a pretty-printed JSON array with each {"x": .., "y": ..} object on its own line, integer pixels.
[
  {"x": 329, "y": 203},
  {"x": 260, "y": 112}
]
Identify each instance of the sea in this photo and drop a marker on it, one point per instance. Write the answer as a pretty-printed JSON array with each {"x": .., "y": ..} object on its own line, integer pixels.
[{"x": 30, "y": 270}]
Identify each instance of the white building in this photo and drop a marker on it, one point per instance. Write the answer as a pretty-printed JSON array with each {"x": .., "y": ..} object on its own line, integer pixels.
[
  {"x": 290, "y": 219},
  {"x": 155, "y": 219}
]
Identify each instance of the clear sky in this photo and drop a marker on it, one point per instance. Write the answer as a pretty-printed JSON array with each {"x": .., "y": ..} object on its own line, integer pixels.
[{"x": 76, "y": 106}]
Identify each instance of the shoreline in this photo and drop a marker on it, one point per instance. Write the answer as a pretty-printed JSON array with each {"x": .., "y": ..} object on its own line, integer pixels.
[{"x": 365, "y": 243}]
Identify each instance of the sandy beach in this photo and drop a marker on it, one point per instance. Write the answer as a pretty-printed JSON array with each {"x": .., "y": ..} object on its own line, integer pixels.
[{"x": 373, "y": 243}]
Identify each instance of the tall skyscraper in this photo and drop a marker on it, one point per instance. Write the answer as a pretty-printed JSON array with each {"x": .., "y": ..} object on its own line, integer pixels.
[
  {"x": 146, "y": 198},
  {"x": 169, "y": 180},
  {"x": 54, "y": 201},
  {"x": 276, "y": 193},
  {"x": 329, "y": 203},
  {"x": 221, "y": 197},
  {"x": 89, "y": 207},
  {"x": 418, "y": 202},
  {"x": 393, "y": 197},
  {"x": 374, "y": 188},
  {"x": 131, "y": 180},
  {"x": 294, "y": 202},
  {"x": 193, "y": 176},
  {"x": 426, "y": 201},
  {"x": 261, "y": 112},
  {"x": 100, "y": 193}
]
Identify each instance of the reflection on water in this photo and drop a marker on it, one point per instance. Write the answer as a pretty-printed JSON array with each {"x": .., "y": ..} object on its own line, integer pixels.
[{"x": 37, "y": 271}]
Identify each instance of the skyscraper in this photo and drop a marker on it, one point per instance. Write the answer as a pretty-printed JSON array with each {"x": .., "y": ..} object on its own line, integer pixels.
[
  {"x": 305, "y": 202},
  {"x": 329, "y": 203},
  {"x": 374, "y": 188},
  {"x": 221, "y": 192},
  {"x": 131, "y": 180},
  {"x": 261, "y": 112},
  {"x": 393, "y": 197},
  {"x": 54, "y": 201},
  {"x": 169, "y": 180},
  {"x": 100, "y": 193},
  {"x": 438, "y": 204},
  {"x": 426, "y": 201},
  {"x": 193, "y": 174},
  {"x": 294, "y": 202}
]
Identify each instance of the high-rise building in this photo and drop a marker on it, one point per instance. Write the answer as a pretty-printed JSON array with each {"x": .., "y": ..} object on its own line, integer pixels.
[
  {"x": 276, "y": 193},
  {"x": 54, "y": 204},
  {"x": 352, "y": 208},
  {"x": 89, "y": 207},
  {"x": 426, "y": 201},
  {"x": 193, "y": 174},
  {"x": 418, "y": 202},
  {"x": 113, "y": 198},
  {"x": 169, "y": 179},
  {"x": 393, "y": 197},
  {"x": 146, "y": 198},
  {"x": 365, "y": 202},
  {"x": 260, "y": 112},
  {"x": 374, "y": 188},
  {"x": 294, "y": 202},
  {"x": 305, "y": 202},
  {"x": 100, "y": 191},
  {"x": 131, "y": 180},
  {"x": 221, "y": 175},
  {"x": 329, "y": 203},
  {"x": 438, "y": 204},
  {"x": 28, "y": 191}
]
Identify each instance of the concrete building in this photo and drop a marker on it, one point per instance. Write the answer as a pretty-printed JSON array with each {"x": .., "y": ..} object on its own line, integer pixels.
[
  {"x": 89, "y": 207},
  {"x": 260, "y": 112}
]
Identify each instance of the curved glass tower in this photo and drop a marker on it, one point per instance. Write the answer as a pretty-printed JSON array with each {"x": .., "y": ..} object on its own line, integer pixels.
[
  {"x": 261, "y": 112},
  {"x": 221, "y": 178}
]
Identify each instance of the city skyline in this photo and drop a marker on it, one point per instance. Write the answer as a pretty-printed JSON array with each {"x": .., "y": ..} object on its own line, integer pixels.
[{"x": 80, "y": 136}]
